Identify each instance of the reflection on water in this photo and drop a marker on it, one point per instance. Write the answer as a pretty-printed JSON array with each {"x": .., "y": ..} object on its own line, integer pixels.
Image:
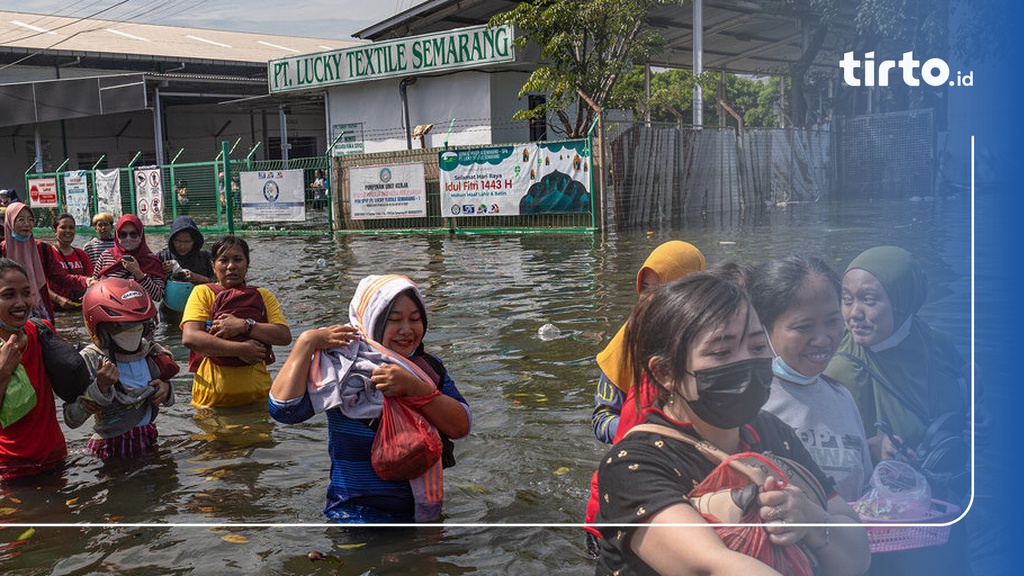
[{"x": 531, "y": 453}]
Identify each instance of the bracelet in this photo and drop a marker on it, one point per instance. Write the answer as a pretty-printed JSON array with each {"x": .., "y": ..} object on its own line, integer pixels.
[{"x": 828, "y": 534}]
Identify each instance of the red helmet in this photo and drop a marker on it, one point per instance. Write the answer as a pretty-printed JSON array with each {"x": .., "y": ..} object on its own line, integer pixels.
[{"x": 115, "y": 300}]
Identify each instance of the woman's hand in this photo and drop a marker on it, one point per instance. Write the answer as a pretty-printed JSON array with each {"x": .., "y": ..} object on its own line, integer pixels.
[
  {"x": 781, "y": 507},
  {"x": 163, "y": 390},
  {"x": 10, "y": 357},
  {"x": 227, "y": 326},
  {"x": 106, "y": 375},
  {"x": 393, "y": 380},
  {"x": 329, "y": 337},
  {"x": 132, "y": 265},
  {"x": 167, "y": 266},
  {"x": 252, "y": 352}
]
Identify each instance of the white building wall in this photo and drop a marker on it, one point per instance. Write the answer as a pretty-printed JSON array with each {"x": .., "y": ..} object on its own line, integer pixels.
[
  {"x": 505, "y": 102},
  {"x": 481, "y": 104}
]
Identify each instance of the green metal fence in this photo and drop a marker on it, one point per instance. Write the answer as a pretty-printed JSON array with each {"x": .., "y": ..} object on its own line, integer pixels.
[
  {"x": 210, "y": 192},
  {"x": 435, "y": 220},
  {"x": 199, "y": 190}
]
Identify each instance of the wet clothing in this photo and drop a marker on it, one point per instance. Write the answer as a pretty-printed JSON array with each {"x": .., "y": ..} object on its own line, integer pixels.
[
  {"x": 96, "y": 247},
  {"x": 110, "y": 266},
  {"x": 920, "y": 362},
  {"x": 826, "y": 420},
  {"x": 127, "y": 405},
  {"x": 339, "y": 380},
  {"x": 198, "y": 260},
  {"x": 356, "y": 494},
  {"x": 77, "y": 263},
  {"x": 135, "y": 442},
  {"x": 35, "y": 442},
  {"x": 220, "y": 385},
  {"x": 243, "y": 302},
  {"x": 667, "y": 469}
]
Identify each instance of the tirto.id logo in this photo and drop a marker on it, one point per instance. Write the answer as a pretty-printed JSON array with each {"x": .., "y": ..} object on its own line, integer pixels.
[{"x": 934, "y": 71}]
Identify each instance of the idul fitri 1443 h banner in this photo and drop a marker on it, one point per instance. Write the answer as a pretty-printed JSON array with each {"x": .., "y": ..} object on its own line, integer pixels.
[{"x": 534, "y": 178}]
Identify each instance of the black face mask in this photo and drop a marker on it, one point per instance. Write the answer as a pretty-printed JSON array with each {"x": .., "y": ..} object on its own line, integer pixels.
[{"x": 731, "y": 395}]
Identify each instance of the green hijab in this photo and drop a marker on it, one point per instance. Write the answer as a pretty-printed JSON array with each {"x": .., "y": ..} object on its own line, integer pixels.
[{"x": 925, "y": 366}]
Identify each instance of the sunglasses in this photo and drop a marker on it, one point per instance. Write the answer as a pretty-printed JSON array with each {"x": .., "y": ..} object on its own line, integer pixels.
[{"x": 123, "y": 235}]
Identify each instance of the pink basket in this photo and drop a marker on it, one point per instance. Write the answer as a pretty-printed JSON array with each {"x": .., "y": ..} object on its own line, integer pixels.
[{"x": 886, "y": 539}]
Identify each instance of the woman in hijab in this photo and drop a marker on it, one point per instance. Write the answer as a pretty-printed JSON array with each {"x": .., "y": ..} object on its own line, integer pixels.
[
  {"x": 42, "y": 264},
  {"x": 887, "y": 351},
  {"x": 380, "y": 353},
  {"x": 670, "y": 261},
  {"x": 131, "y": 258},
  {"x": 883, "y": 289}
]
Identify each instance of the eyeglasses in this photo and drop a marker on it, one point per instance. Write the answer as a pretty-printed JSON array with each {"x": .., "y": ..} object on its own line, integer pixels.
[{"x": 123, "y": 235}]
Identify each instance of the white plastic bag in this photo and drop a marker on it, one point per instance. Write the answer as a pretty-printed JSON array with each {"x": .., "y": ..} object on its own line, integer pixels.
[{"x": 898, "y": 492}]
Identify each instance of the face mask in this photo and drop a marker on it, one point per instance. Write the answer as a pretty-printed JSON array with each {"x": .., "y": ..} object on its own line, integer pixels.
[
  {"x": 785, "y": 372},
  {"x": 731, "y": 395},
  {"x": 130, "y": 244},
  {"x": 20, "y": 238},
  {"x": 128, "y": 340}
]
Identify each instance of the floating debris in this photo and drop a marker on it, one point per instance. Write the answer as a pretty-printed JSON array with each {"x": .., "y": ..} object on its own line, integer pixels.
[{"x": 548, "y": 332}]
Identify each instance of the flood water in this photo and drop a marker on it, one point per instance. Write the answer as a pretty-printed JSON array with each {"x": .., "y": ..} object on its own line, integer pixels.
[{"x": 530, "y": 455}]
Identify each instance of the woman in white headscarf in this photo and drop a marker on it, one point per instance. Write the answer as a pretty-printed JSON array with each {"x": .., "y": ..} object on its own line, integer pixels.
[{"x": 346, "y": 371}]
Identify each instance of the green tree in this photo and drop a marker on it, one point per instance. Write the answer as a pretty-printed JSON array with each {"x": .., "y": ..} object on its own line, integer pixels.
[
  {"x": 586, "y": 45},
  {"x": 755, "y": 100}
]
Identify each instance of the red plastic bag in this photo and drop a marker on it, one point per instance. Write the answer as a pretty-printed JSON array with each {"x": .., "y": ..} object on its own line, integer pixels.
[
  {"x": 750, "y": 540},
  {"x": 406, "y": 445}
]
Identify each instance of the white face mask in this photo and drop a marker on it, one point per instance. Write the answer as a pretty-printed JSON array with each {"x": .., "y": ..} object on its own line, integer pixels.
[
  {"x": 130, "y": 244},
  {"x": 129, "y": 339}
]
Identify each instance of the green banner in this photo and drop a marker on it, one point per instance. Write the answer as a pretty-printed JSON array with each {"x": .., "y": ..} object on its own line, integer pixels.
[{"x": 451, "y": 50}]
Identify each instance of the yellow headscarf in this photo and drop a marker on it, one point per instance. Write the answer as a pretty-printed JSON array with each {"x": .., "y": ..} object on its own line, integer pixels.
[{"x": 670, "y": 261}]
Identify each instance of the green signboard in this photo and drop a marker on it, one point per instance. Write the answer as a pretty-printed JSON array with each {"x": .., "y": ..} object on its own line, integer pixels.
[{"x": 451, "y": 50}]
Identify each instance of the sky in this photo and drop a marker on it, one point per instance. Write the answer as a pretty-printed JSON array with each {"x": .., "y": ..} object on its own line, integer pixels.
[{"x": 334, "y": 19}]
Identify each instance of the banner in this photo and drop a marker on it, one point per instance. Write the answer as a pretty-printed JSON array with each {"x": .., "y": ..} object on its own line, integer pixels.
[
  {"x": 459, "y": 49},
  {"x": 534, "y": 178},
  {"x": 273, "y": 196},
  {"x": 392, "y": 191},
  {"x": 149, "y": 196},
  {"x": 76, "y": 197},
  {"x": 42, "y": 192},
  {"x": 108, "y": 192}
]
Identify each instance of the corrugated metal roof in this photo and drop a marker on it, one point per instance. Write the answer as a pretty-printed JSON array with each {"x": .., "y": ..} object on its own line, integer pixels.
[
  {"x": 750, "y": 36},
  {"x": 20, "y": 31}
]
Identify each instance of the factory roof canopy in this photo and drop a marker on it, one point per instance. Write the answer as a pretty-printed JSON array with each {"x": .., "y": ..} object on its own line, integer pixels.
[
  {"x": 33, "y": 38},
  {"x": 743, "y": 36}
]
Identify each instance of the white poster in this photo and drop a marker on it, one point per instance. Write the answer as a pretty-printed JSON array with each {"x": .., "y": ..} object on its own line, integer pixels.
[
  {"x": 149, "y": 196},
  {"x": 76, "y": 196},
  {"x": 108, "y": 191},
  {"x": 519, "y": 179},
  {"x": 43, "y": 192},
  {"x": 392, "y": 191},
  {"x": 273, "y": 196}
]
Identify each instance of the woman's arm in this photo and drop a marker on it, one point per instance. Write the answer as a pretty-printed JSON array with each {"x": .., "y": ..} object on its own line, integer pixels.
[
  {"x": 230, "y": 326},
  {"x": 447, "y": 414},
  {"x": 608, "y": 402},
  {"x": 690, "y": 550},
  {"x": 290, "y": 382},
  {"x": 842, "y": 551},
  {"x": 195, "y": 337}
]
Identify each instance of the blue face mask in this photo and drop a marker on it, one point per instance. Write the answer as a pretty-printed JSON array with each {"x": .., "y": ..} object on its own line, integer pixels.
[
  {"x": 20, "y": 238},
  {"x": 784, "y": 372}
]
